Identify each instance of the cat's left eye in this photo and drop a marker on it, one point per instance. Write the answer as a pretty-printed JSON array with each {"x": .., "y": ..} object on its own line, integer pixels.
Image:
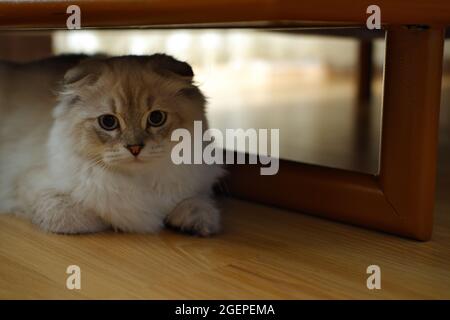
[{"x": 156, "y": 118}]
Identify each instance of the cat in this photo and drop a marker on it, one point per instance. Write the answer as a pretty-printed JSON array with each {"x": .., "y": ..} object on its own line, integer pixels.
[{"x": 85, "y": 145}]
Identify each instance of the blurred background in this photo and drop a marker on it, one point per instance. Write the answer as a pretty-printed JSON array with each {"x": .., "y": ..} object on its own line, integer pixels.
[{"x": 307, "y": 85}]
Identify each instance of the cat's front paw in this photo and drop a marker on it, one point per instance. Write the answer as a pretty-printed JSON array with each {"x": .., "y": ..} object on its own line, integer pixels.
[{"x": 198, "y": 216}]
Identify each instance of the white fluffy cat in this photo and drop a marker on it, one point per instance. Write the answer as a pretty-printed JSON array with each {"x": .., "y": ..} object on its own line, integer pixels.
[{"x": 96, "y": 154}]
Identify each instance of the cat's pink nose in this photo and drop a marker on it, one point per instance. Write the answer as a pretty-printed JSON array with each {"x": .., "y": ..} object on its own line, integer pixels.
[{"x": 135, "y": 149}]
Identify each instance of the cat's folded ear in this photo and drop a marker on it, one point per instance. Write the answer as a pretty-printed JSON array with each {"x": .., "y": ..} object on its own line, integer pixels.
[
  {"x": 165, "y": 64},
  {"x": 86, "y": 72}
]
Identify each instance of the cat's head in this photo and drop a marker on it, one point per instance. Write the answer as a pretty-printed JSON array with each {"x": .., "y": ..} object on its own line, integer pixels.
[{"x": 121, "y": 111}]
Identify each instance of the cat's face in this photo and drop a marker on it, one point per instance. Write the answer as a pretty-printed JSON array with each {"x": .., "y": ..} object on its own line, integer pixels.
[{"x": 120, "y": 112}]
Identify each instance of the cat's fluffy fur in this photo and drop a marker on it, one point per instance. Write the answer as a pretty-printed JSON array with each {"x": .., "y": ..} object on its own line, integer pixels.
[{"x": 66, "y": 174}]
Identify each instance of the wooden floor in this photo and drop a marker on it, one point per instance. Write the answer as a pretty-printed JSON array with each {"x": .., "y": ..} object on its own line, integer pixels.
[{"x": 262, "y": 253}]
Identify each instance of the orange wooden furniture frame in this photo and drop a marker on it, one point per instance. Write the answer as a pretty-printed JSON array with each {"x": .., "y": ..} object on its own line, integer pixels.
[{"x": 400, "y": 198}]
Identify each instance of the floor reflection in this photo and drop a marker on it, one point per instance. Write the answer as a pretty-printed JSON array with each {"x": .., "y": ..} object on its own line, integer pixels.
[{"x": 320, "y": 120}]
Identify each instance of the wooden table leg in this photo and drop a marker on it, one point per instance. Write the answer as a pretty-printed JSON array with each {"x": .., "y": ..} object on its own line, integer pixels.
[
  {"x": 400, "y": 199},
  {"x": 412, "y": 90}
]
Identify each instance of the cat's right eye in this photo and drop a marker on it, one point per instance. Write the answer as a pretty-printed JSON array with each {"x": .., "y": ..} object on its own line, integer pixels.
[{"x": 108, "y": 122}]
